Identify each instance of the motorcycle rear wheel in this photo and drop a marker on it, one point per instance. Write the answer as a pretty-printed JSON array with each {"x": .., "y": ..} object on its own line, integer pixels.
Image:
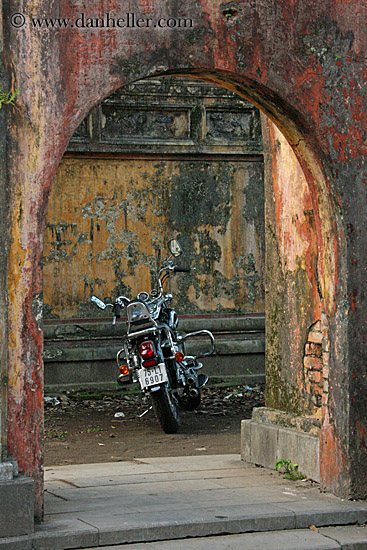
[{"x": 165, "y": 409}]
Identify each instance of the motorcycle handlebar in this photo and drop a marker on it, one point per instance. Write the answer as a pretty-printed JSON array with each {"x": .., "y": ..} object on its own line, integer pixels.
[{"x": 122, "y": 301}]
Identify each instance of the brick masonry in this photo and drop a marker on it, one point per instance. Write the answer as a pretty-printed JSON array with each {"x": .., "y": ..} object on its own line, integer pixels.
[{"x": 316, "y": 363}]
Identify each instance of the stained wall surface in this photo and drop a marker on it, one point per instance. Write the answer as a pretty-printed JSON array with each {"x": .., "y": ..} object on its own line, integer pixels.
[
  {"x": 293, "y": 302},
  {"x": 171, "y": 157}
]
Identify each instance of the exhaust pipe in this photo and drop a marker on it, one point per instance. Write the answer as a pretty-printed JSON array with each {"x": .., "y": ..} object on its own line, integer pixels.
[
  {"x": 123, "y": 379},
  {"x": 193, "y": 392},
  {"x": 120, "y": 380},
  {"x": 191, "y": 381}
]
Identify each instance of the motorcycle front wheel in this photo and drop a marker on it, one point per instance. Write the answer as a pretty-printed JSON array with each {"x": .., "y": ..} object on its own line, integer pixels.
[{"x": 165, "y": 409}]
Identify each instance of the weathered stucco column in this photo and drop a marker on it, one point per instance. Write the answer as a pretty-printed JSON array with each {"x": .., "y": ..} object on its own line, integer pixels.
[
  {"x": 3, "y": 259},
  {"x": 297, "y": 344},
  {"x": 16, "y": 492},
  {"x": 6, "y": 467}
]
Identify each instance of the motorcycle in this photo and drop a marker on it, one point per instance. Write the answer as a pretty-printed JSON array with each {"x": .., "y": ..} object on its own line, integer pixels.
[{"x": 153, "y": 350}]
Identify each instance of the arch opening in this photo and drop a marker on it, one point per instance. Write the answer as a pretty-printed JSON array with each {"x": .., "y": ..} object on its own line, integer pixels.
[
  {"x": 189, "y": 165},
  {"x": 323, "y": 260},
  {"x": 325, "y": 213}
]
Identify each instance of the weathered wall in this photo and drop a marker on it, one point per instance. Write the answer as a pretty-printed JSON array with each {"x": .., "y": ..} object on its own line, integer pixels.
[
  {"x": 292, "y": 296},
  {"x": 109, "y": 222},
  {"x": 109, "y": 217},
  {"x": 303, "y": 63},
  {"x": 3, "y": 259}
]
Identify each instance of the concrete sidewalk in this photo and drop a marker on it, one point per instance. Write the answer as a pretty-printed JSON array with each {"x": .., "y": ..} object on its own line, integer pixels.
[
  {"x": 157, "y": 499},
  {"x": 328, "y": 538}
]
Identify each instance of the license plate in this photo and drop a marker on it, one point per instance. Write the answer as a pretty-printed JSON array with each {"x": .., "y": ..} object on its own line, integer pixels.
[{"x": 153, "y": 376}]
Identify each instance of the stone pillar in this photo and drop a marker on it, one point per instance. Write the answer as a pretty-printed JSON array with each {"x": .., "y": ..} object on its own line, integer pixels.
[
  {"x": 16, "y": 491},
  {"x": 294, "y": 319},
  {"x": 3, "y": 259}
]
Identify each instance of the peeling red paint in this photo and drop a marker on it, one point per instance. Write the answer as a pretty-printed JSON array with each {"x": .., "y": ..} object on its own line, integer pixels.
[{"x": 333, "y": 464}]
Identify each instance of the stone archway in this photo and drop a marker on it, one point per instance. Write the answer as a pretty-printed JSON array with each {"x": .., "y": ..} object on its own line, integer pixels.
[{"x": 272, "y": 54}]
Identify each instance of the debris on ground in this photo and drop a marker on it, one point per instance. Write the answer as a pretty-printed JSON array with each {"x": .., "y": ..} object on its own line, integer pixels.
[
  {"x": 51, "y": 401},
  {"x": 76, "y": 421},
  {"x": 215, "y": 400}
]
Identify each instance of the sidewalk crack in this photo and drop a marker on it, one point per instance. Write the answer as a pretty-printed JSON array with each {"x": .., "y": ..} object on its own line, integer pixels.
[
  {"x": 55, "y": 495},
  {"x": 331, "y": 538}
]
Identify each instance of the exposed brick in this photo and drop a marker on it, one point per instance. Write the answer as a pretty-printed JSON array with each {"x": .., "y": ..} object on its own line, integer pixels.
[
  {"x": 313, "y": 349},
  {"x": 312, "y": 363},
  {"x": 315, "y": 376},
  {"x": 315, "y": 337}
]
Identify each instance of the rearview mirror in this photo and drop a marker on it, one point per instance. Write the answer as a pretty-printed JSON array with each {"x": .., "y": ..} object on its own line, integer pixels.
[
  {"x": 174, "y": 247},
  {"x": 98, "y": 302}
]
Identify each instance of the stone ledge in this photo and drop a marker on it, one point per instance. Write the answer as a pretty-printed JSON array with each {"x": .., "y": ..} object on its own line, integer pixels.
[
  {"x": 6, "y": 471},
  {"x": 16, "y": 507},
  {"x": 81, "y": 353},
  {"x": 16, "y": 543},
  {"x": 304, "y": 424},
  {"x": 102, "y": 328},
  {"x": 264, "y": 444},
  {"x": 92, "y": 352},
  {"x": 71, "y": 375}
]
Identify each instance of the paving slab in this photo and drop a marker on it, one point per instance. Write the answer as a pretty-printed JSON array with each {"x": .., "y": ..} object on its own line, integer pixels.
[
  {"x": 323, "y": 513},
  {"x": 350, "y": 537},
  {"x": 189, "y": 463},
  {"x": 127, "y": 478},
  {"x": 86, "y": 473},
  {"x": 279, "y": 540},
  {"x": 153, "y": 499},
  {"x": 60, "y": 534},
  {"x": 197, "y": 522}
]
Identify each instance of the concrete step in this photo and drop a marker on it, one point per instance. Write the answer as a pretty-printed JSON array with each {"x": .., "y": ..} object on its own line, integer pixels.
[
  {"x": 81, "y": 353},
  {"x": 102, "y": 328},
  {"x": 259, "y": 530},
  {"x": 350, "y": 537},
  {"x": 171, "y": 498},
  {"x": 330, "y": 538}
]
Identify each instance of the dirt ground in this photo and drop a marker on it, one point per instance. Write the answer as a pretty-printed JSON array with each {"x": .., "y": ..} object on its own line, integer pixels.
[{"x": 87, "y": 427}]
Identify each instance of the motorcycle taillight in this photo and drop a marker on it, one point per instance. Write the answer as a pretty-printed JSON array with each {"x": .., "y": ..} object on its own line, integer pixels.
[{"x": 147, "y": 350}]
